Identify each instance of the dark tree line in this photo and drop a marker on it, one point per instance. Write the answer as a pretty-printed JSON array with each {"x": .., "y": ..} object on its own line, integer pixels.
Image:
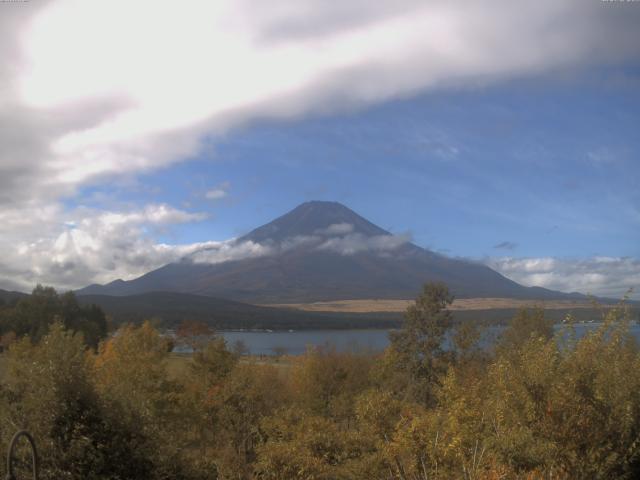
[{"x": 33, "y": 315}]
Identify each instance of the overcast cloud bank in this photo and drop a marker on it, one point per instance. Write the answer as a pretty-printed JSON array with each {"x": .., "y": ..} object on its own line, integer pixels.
[{"x": 79, "y": 105}]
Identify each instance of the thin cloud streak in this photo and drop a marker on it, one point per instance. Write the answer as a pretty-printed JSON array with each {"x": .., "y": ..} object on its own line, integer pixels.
[
  {"x": 506, "y": 245},
  {"x": 218, "y": 192}
]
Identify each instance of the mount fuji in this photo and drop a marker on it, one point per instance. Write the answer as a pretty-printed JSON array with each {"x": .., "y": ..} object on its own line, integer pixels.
[{"x": 321, "y": 251}]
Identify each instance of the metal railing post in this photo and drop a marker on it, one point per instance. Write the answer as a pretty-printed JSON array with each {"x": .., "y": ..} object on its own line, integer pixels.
[{"x": 10, "y": 458}]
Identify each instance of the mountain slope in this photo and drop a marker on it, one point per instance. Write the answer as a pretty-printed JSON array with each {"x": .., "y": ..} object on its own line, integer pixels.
[
  {"x": 11, "y": 296},
  {"x": 320, "y": 251}
]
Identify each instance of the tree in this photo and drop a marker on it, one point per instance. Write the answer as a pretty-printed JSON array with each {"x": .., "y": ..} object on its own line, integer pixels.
[
  {"x": 33, "y": 315},
  {"x": 247, "y": 395},
  {"x": 194, "y": 334},
  {"x": 213, "y": 362},
  {"x": 417, "y": 348},
  {"x": 326, "y": 382},
  {"x": 527, "y": 324},
  {"x": 48, "y": 389},
  {"x": 240, "y": 348},
  {"x": 90, "y": 320},
  {"x": 208, "y": 369},
  {"x": 309, "y": 447},
  {"x": 131, "y": 376}
]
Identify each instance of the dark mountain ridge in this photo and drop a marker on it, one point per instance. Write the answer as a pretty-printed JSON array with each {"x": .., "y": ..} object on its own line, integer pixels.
[
  {"x": 321, "y": 251},
  {"x": 11, "y": 296}
]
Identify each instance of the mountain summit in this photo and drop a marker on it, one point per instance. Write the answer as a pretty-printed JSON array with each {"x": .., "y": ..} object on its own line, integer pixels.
[
  {"x": 320, "y": 251},
  {"x": 312, "y": 218}
]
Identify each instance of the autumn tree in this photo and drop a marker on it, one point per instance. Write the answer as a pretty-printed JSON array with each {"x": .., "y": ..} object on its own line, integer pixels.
[
  {"x": 211, "y": 364},
  {"x": 131, "y": 376},
  {"x": 48, "y": 389},
  {"x": 194, "y": 334},
  {"x": 326, "y": 382},
  {"x": 248, "y": 394},
  {"x": 526, "y": 324},
  {"x": 305, "y": 446},
  {"x": 416, "y": 350},
  {"x": 541, "y": 409}
]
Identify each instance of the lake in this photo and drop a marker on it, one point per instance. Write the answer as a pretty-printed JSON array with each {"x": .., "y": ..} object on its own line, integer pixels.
[{"x": 296, "y": 342}]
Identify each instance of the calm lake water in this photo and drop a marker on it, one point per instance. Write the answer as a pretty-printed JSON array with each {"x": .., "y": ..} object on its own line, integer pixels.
[{"x": 296, "y": 342}]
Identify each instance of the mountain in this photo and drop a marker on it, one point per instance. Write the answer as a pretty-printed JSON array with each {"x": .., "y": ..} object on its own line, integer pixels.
[
  {"x": 320, "y": 251},
  {"x": 10, "y": 296}
]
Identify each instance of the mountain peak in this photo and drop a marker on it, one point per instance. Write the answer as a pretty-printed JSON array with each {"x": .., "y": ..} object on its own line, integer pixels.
[
  {"x": 313, "y": 218},
  {"x": 322, "y": 207},
  {"x": 322, "y": 204}
]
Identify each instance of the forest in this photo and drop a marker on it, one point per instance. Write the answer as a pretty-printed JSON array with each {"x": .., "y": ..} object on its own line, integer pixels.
[{"x": 539, "y": 403}]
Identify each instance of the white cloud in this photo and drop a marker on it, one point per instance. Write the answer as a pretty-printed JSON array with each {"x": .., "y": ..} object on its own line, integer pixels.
[
  {"x": 231, "y": 250},
  {"x": 215, "y": 194},
  {"x": 292, "y": 243},
  {"x": 602, "y": 276},
  {"x": 84, "y": 102},
  {"x": 358, "y": 243},
  {"x": 336, "y": 229},
  {"x": 218, "y": 192},
  {"x": 349, "y": 244},
  {"x": 91, "y": 246}
]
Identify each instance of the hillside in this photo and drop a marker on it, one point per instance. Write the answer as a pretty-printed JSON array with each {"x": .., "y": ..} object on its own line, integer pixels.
[
  {"x": 170, "y": 308},
  {"x": 9, "y": 296}
]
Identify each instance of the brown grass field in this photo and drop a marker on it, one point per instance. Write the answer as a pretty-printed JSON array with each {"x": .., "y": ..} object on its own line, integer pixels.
[{"x": 378, "y": 305}]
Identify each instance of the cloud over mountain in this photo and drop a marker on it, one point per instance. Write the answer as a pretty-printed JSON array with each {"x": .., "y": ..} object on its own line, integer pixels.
[
  {"x": 354, "y": 243},
  {"x": 338, "y": 237},
  {"x": 229, "y": 251}
]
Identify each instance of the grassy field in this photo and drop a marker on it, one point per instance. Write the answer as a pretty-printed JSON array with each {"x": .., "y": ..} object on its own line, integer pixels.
[{"x": 377, "y": 305}]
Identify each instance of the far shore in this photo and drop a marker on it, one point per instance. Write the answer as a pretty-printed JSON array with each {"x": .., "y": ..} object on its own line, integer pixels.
[{"x": 380, "y": 305}]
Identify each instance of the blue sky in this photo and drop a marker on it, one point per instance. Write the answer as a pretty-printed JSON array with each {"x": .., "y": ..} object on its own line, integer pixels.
[
  {"x": 544, "y": 167},
  {"x": 504, "y": 132}
]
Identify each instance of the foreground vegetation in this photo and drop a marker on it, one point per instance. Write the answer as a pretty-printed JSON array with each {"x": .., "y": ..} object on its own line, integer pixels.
[{"x": 538, "y": 406}]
